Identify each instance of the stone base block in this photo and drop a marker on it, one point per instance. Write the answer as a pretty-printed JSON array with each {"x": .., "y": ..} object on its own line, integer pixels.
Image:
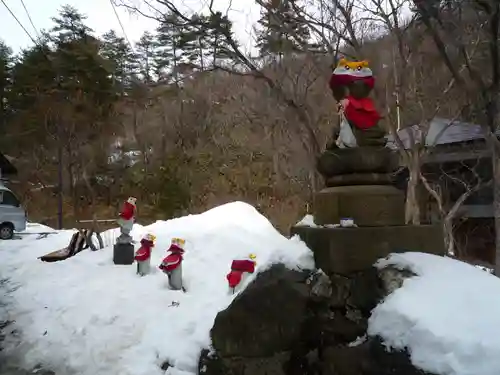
[
  {"x": 123, "y": 253},
  {"x": 360, "y": 179},
  {"x": 368, "y": 205},
  {"x": 357, "y": 160},
  {"x": 347, "y": 250}
]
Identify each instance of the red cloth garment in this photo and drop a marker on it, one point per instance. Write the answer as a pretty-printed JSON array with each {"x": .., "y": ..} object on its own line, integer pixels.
[
  {"x": 142, "y": 254},
  {"x": 172, "y": 260},
  {"x": 337, "y": 80},
  {"x": 369, "y": 81},
  {"x": 234, "y": 278},
  {"x": 175, "y": 249},
  {"x": 238, "y": 267},
  {"x": 346, "y": 79},
  {"x": 128, "y": 211},
  {"x": 361, "y": 113},
  {"x": 144, "y": 251},
  {"x": 244, "y": 265}
]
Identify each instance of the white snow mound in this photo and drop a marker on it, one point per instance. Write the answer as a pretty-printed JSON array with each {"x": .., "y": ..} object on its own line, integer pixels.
[
  {"x": 448, "y": 317},
  {"x": 86, "y": 315}
]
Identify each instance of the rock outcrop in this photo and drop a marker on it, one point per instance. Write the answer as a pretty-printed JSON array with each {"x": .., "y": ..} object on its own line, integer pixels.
[{"x": 301, "y": 323}]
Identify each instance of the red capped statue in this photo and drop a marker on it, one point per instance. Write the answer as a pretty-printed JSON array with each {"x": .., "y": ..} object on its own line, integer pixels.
[
  {"x": 172, "y": 264},
  {"x": 143, "y": 255},
  {"x": 239, "y": 269}
]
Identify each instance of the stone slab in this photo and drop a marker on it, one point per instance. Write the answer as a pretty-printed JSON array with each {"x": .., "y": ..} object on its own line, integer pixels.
[
  {"x": 368, "y": 205},
  {"x": 357, "y": 160},
  {"x": 123, "y": 253},
  {"x": 347, "y": 250},
  {"x": 360, "y": 179}
]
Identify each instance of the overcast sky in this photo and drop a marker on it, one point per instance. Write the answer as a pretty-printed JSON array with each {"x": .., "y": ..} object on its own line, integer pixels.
[{"x": 101, "y": 18}]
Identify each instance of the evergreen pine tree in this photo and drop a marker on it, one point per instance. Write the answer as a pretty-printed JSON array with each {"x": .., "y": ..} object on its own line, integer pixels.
[
  {"x": 171, "y": 44},
  {"x": 146, "y": 52},
  {"x": 219, "y": 28},
  {"x": 85, "y": 91},
  {"x": 195, "y": 40},
  {"x": 123, "y": 61},
  {"x": 70, "y": 25},
  {"x": 32, "y": 89},
  {"x": 282, "y": 29},
  {"x": 6, "y": 61}
]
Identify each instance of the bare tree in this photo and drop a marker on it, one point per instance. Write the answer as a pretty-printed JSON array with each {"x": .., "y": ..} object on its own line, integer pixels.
[
  {"x": 285, "y": 89},
  {"x": 450, "y": 28},
  {"x": 450, "y": 189}
]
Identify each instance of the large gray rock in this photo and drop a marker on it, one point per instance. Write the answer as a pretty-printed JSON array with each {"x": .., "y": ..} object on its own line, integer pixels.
[
  {"x": 266, "y": 318},
  {"x": 367, "y": 358},
  {"x": 301, "y": 323},
  {"x": 270, "y": 328}
]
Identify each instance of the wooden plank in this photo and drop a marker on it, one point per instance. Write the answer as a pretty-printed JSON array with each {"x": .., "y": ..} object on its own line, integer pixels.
[{"x": 96, "y": 221}]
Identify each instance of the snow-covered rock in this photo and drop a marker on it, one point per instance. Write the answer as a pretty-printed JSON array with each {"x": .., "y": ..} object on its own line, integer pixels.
[{"x": 447, "y": 315}]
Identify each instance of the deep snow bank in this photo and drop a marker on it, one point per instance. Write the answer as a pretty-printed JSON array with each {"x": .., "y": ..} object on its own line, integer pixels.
[
  {"x": 89, "y": 316},
  {"x": 448, "y": 317}
]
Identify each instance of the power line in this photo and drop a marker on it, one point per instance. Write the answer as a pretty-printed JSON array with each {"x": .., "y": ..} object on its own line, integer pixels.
[
  {"x": 120, "y": 22},
  {"x": 29, "y": 17},
  {"x": 19, "y": 22}
]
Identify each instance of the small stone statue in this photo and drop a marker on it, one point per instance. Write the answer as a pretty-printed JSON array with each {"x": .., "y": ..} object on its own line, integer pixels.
[
  {"x": 123, "y": 250},
  {"x": 351, "y": 84},
  {"x": 239, "y": 269},
  {"x": 172, "y": 264},
  {"x": 126, "y": 220},
  {"x": 143, "y": 255}
]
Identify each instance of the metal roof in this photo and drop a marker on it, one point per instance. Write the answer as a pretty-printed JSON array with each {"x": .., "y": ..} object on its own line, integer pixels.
[{"x": 441, "y": 131}]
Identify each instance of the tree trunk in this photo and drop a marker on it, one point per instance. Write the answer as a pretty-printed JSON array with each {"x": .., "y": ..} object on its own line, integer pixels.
[
  {"x": 495, "y": 159},
  {"x": 449, "y": 238},
  {"x": 412, "y": 206}
]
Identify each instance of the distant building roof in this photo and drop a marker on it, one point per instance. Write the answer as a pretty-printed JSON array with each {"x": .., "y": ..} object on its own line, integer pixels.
[
  {"x": 441, "y": 131},
  {"x": 6, "y": 167}
]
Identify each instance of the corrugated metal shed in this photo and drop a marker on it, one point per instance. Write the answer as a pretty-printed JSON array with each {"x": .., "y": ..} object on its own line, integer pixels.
[{"x": 441, "y": 131}]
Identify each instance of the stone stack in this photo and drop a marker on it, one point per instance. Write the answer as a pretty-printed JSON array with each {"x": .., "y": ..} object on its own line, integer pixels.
[
  {"x": 300, "y": 323},
  {"x": 290, "y": 322},
  {"x": 359, "y": 187}
]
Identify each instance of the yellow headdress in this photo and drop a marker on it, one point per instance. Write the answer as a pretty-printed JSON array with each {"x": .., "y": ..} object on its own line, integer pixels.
[
  {"x": 178, "y": 241},
  {"x": 149, "y": 237}
]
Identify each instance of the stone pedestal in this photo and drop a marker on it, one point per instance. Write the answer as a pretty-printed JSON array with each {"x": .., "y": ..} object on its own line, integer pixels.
[
  {"x": 348, "y": 250},
  {"x": 359, "y": 160},
  {"x": 358, "y": 186},
  {"x": 367, "y": 205},
  {"x": 123, "y": 253}
]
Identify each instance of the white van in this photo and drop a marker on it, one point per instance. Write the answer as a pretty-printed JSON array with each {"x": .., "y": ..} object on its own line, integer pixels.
[{"x": 12, "y": 214}]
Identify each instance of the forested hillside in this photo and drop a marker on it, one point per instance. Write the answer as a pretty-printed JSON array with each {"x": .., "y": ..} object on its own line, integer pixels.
[{"x": 185, "y": 118}]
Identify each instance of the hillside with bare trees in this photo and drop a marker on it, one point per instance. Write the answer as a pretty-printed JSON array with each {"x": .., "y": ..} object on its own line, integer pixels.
[{"x": 186, "y": 119}]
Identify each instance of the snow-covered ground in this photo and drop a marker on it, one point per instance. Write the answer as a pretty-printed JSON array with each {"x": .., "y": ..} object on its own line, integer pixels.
[
  {"x": 448, "y": 317},
  {"x": 86, "y": 315}
]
